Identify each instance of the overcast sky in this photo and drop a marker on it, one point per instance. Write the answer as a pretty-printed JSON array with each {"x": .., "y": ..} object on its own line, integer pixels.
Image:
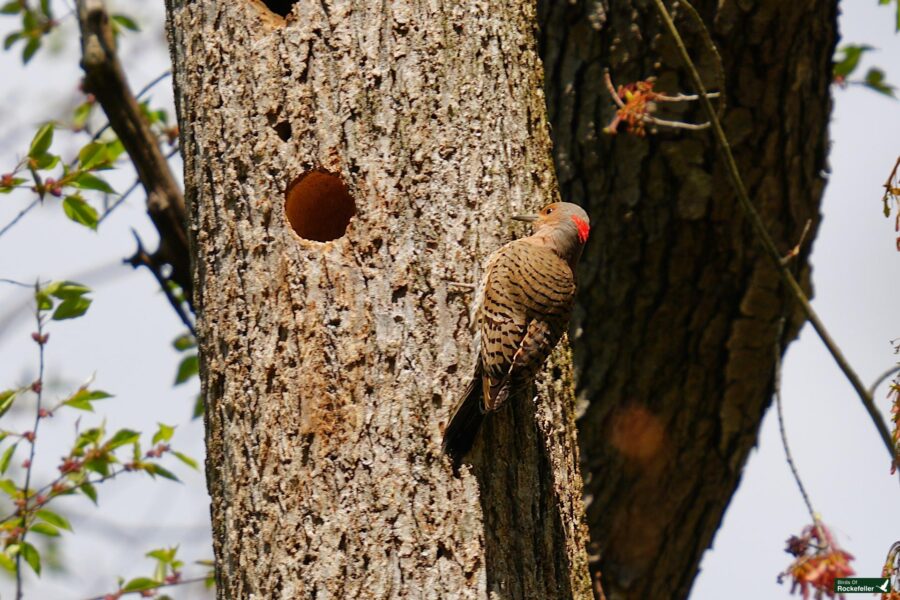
[{"x": 125, "y": 341}]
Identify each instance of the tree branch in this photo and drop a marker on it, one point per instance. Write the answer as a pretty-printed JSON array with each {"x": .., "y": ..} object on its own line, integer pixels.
[
  {"x": 765, "y": 238},
  {"x": 105, "y": 78}
]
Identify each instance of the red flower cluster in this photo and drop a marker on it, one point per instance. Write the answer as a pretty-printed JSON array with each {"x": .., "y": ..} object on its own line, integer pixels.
[
  {"x": 636, "y": 104},
  {"x": 817, "y": 563}
]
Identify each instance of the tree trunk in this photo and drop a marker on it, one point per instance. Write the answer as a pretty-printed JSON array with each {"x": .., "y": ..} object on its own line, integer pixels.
[
  {"x": 331, "y": 355},
  {"x": 678, "y": 309}
]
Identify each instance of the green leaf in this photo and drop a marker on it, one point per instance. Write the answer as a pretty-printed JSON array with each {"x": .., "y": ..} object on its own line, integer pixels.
[
  {"x": 6, "y": 400},
  {"x": 123, "y": 437},
  {"x": 847, "y": 63},
  {"x": 11, "y": 8},
  {"x": 12, "y": 38},
  {"x": 163, "y": 434},
  {"x": 188, "y": 367},
  {"x": 41, "y": 141},
  {"x": 43, "y": 300},
  {"x": 9, "y": 488},
  {"x": 54, "y": 519},
  {"x": 99, "y": 465},
  {"x": 81, "y": 114},
  {"x": 186, "y": 459},
  {"x": 185, "y": 341},
  {"x": 7, "y": 456},
  {"x": 71, "y": 308},
  {"x": 92, "y": 155},
  {"x": 45, "y": 8},
  {"x": 32, "y": 557},
  {"x": 875, "y": 81},
  {"x": 45, "y": 529},
  {"x": 87, "y": 181},
  {"x": 31, "y": 47},
  {"x": 139, "y": 584},
  {"x": 126, "y": 22},
  {"x": 7, "y": 562},
  {"x": 46, "y": 161},
  {"x": 90, "y": 491},
  {"x": 199, "y": 407},
  {"x": 154, "y": 469},
  {"x": 114, "y": 150},
  {"x": 89, "y": 438},
  {"x": 80, "y": 211},
  {"x": 65, "y": 290}
]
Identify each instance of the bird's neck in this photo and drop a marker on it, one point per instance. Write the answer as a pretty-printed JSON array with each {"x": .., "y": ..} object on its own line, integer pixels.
[{"x": 565, "y": 245}]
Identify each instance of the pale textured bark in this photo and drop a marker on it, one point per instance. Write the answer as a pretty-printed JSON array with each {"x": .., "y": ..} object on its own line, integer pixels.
[
  {"x": 678, "y": 309},
  {"x": 329, "y": 368}
]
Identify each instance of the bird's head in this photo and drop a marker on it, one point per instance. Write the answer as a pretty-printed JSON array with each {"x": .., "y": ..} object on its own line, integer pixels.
[
  {"x": 562, "y": 216},
  {"x": 563, "y": 226}
]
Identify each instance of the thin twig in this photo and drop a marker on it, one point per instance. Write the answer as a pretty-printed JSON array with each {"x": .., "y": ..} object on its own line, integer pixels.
[
  {"x": 784, "y": 440},
  {"x": 143, "y": 91},
  {"x": 14, "y": 282},
  {"x": 48, "y": 488},
  {"x": 881, "y": 379},
  {"x": 142, "y": 258},
  {"x": 712, "y": 49},
  {"x": 19, "y": 216},
  {"x": 161, "y": 585},
  {"x": 119, "y": 200},
  {"x": 129, "y": 191},
  {"x": 38, "y": 388},
  {"x": 768, "y": 244},
  {"x": 795, "y": 251},
  {"x": 675, "y": 124}
]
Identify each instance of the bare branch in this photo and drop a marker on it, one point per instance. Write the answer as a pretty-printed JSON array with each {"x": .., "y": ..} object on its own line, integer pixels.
[
  {"x": 105, "y": 78},
  {"x": 19, "y": 216}
]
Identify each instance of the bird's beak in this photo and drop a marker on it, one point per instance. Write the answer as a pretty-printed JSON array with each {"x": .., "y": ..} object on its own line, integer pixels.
[{"x": 526, "y": 218}]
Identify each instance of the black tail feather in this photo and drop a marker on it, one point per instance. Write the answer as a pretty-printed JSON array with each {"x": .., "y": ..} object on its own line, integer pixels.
[{"x": 466, "y": 420}]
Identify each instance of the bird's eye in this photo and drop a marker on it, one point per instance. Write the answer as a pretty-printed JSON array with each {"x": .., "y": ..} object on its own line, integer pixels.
[{"x": 548, "y": 210}]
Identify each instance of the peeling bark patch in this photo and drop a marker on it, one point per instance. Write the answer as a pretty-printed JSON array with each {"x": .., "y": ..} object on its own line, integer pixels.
[{"x": 319, "y": 207}]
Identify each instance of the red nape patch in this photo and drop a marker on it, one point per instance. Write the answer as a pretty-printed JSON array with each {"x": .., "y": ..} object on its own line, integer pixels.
[{"x": 584, "y": 230}]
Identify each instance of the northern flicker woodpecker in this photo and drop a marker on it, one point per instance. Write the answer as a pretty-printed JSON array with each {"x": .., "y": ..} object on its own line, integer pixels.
[{"x": 526, "y": 301}]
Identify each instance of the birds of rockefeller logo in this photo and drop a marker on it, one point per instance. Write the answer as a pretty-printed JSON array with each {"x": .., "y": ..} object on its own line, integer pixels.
[{"x": 862, "y": 585}]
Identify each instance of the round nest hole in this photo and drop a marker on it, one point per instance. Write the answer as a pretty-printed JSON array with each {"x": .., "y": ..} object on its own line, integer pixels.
[{"x": 318, "y": 206}]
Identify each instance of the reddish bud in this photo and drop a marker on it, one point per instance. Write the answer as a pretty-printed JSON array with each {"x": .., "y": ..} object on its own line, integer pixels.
[
  {"x": 69, "y": 465},
  {"x": 26, "y": 464},
  {"x": 174, "y": 577},
  {"x": 44, "y": 413},
  {"x": 40, "y": 339},
  {"x": 37, "y": 386},
  {"x": 29, "y": 435},
  {"x": 6, "y": 180},
  {"x": 40, "y": 499}
]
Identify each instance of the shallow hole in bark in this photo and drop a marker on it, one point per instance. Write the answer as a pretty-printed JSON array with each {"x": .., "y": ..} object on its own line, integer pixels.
[
  {"x": 283, "y": 129},
  {"x": 319, "y": 206},
  {"x": 280, "y": 7}
]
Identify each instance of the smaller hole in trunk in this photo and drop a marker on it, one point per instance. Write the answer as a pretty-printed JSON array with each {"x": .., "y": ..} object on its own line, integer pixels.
[
  {"x": 319, "y": 206},
  {"x": 283, "y": 129},
  {"x": 280, "y": 7}
]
